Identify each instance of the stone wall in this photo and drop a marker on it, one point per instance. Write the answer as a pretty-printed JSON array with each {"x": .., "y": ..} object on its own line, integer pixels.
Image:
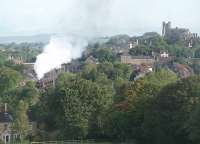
[{"x": 137, "y": 60}]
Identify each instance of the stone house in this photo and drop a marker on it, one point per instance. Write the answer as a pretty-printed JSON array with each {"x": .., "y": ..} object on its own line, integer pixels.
[
  {"x": 7, "y": 134},
  {"x": 6, "y": 123},
  {"x": 91, "y": 60},
  {"x": 5, "y": 127}
]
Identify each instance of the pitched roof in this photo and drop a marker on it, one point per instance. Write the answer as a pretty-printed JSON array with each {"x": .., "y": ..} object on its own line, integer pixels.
[{"x": 5, "y": 117}]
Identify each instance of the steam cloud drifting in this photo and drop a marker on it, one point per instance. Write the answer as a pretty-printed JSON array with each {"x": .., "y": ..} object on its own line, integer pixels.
[
  {"x": 80, "y": 27},
  {"x": 92, "y": 18},
  {"x": 59, "y": 50}
]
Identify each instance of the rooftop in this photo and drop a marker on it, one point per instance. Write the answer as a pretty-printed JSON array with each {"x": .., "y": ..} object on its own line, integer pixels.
[{"x": 5, "y": 117}]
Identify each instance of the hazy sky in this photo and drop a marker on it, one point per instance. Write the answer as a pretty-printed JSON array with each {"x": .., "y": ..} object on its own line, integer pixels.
[{"x": 95, "y": 17}]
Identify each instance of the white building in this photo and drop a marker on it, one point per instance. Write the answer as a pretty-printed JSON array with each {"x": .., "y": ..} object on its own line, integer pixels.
[{"x": 164, "y": 55}]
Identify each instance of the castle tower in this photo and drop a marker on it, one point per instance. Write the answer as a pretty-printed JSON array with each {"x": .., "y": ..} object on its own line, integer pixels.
[
  {"x": 165, "y": 28},
  {"x": 169, "y": 25}
]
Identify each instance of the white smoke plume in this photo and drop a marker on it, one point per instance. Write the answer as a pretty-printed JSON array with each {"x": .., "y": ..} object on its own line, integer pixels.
[
  {"x": 61, "y": 49},
  {"x": 81, "y": 22}
]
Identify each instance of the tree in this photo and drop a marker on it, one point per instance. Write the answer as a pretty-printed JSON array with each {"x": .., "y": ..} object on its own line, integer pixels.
[
  {"x": 90, "y": 72},
  {"x": 107, "y": 69},
  {"x": 115, "y": 71},
  {"x": 9, "y": 79},
  {"x": 161, "y": 77},
  {"x": 193, "y": 126},
  {"x": 104, "y": 55},
  {"x": 126, "y": 119},
  {"x": 2, "y": 59},
  {"x": 197, "y": 53},
  {"x": 76, "y": 102},
  {"x": 150, "y": 85},
  {"x": 158, "y": 44},
  {"x": 119, "y": 125},
  {"x": 140, "y": 50},
  {"x": 122, "y": 71},
  {"x": 196, "y": 67},
  {"x": 21, "y": 123},
  {"x": 165, "y": 122},
  {"x": 29, "y": 93}
]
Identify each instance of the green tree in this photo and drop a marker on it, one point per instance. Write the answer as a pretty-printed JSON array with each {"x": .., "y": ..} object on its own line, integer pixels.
[
  {"x": 122, "y": 71},
  {"x": 166, "y": 121},
  {"x": 107, "y": 69},
  {"x": 78, "y": 101},
  {"x": 21, "y": 123},
  {"x": 193, "y": 126},
  {"x": 9, "y": 79},
  {"x": 150, "y": 85},
  {"x": 136, "y": 98},
  {"x": 140, "y": 50},
  {"x": 104, "y": 55},
  {"x": 90, "y": 72},
  {"x": 196, "y": 66},
  {"x": 197, "y": 53},
  {"x": 2, "y": 59},
  {"x": 115, "y": 71},
  {"x": 29, "y": 93}
]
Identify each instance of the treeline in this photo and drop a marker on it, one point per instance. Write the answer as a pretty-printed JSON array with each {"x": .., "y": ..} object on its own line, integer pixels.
[
  {"x": 16, "y": 90},
  {"x": 20, "y": 95},
  {"x": 103, "y": 102},
  {"x": 26, "y": 52},
  {"x": 99, "y": 104}
]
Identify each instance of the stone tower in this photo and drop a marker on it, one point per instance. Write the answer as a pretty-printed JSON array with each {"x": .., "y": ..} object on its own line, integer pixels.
[{"x": 166, "y": 26}]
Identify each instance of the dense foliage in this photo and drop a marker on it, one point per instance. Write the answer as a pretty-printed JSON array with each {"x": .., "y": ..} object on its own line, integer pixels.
[
  {"x": 103, "y": 100},
  {"x": 24, "y": 51}
]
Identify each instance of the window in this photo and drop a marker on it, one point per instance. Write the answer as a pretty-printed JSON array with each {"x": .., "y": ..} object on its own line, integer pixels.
[{"x": 7, "y": 138}]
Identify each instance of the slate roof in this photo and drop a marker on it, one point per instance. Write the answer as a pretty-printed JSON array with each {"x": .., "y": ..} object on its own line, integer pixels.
[{"x": 5, "y": 117}]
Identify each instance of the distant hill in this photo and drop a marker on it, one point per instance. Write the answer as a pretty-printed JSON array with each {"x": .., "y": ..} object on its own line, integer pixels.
[
  {"x": 41, "y": 38},
  {"x": 20, "y": 39}
]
